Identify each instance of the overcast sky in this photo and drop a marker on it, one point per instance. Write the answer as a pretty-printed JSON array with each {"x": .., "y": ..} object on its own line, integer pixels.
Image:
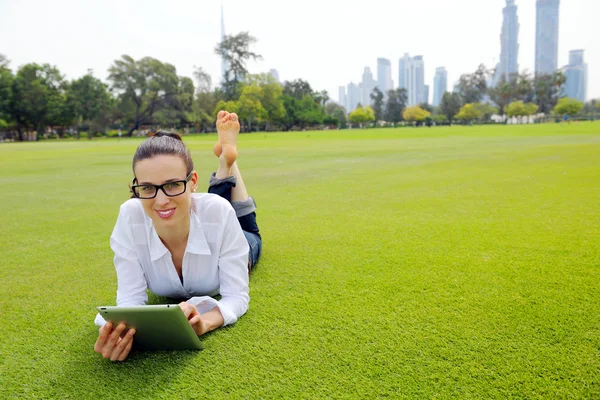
[{"x": 325, "y": 42}]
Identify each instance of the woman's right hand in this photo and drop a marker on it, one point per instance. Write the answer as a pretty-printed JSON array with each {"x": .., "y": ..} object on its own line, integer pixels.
[{"x": 112, "y": 343}]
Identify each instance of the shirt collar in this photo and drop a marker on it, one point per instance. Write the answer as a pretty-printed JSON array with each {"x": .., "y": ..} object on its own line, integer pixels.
[{"x": 196, "y": 244}]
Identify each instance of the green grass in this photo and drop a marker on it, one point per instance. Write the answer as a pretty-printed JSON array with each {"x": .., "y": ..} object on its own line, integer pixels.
[{"x": 458, "y": 262}]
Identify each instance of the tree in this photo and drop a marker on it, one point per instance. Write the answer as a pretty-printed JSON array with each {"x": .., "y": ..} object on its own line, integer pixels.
[
  {"x": 297, "y": 89},
  {"x": 396, "y": 103},
  {"x": 6, "y": 89},
  {"x": 568, "y": 106},
  {"x": 271, "y": 97},
  {"x": 205, "y": 101},
  {"x": 336, "y": 114},
  {"x": 144, "y": 87},
  {"x": 89, "y": 100},
  {"x": 450, "y": 105},
  {"x": 309, "y": 112},
  {"x": 236, "y": 52},
  {"x": 486, "y": 111},
  {"x": 362, "y": 115},
  {"x": 377, "y": 98},
  {"x": 521, "y": 109},
  {"x": 472, "y": 87},
  {"x": 468, "y": 113},
  {"x": 415, "y": 114},
  {"x": 524, "y": 87},
  {"x": 321, "y": 97},
  {"x": 38, "y": 97},
  {"x": 249, "y": 107}
]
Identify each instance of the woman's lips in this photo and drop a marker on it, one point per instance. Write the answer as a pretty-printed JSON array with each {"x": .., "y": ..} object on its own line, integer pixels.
[{"x": 164, "y": 214}]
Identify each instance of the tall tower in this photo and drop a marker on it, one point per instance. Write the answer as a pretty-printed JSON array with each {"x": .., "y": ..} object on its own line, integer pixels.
[
  {"x": 224, "y": 63},
  {"x": 577, "y": 76},
  {"x": 384, "y": 76},
  {"x": 509, "y": 42},
  {"x": 411, "y": 76},
  {"x": 546, "y": 36},
  {"x": 440, "y": 85}
]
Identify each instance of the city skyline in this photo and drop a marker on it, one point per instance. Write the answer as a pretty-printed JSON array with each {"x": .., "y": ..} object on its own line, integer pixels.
[
  {"x": 327, "y": 57},
  {"x": 547, "y": 36}
]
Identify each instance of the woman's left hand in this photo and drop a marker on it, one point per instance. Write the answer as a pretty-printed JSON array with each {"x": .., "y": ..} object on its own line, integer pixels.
[{"x": 194, "y": 318}]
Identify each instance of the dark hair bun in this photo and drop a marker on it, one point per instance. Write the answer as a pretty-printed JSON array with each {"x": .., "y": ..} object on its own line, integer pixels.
[{"x": 172, "y": 135}]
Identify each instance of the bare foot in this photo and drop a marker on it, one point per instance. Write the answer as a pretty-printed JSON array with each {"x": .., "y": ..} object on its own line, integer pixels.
[{"x": 228, "y": 128}]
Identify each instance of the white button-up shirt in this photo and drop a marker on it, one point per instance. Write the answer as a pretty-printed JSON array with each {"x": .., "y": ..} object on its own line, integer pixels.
[{"x": 215, "y": 259}]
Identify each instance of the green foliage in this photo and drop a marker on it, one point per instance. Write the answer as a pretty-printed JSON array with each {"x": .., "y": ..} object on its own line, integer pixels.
[
  {"x": 377, "y": 98},
  {"x": 88, "y": 100},
  {"x": 230, "y": 106},
  {"x": 270, "y": 96},
  {"x": 468, "y": 113},
  {"x": 151, "y": 93},
  {"x": 396, "y": 103},
  {"x": 520, "y": 109},
  {"x": 486, "y": 111},
  {"x": 415, "y": 114},
  {"x": 336, "y": 114},
  {"x": 38, "y": 97},
  {"x": 6, "y": 90},
  {"x": 362, "y": 115},
  {"x": 450, "y": 105},
  {"x": 236, "y": 51},
  {"x": 568, "y": 106},
  {"x": 472, "y": 87}
]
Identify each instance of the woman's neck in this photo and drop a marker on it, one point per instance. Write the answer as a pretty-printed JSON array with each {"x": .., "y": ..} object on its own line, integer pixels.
[{"x": 175, "y": 238}]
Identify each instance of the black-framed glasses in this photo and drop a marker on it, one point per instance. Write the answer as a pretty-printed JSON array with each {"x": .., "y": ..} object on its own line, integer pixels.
[{"x": 171, "y": 189}]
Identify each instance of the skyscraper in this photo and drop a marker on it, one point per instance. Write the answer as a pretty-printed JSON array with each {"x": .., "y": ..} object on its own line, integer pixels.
[
  {"x": 352, "y": 97},
  {"x": 368, "y": 84},
  {"x": 440, "y": 85},
  {"x": 224, "y": 63},
  {"x": 384, "y": 76},
  {"x": 546, "y": 36},
  {"x": 577, "y": 75},
  {"x": 342, "y": 96},
  {"x": 275, "y": 74},
  {"x": 509, "y": 42},
  {"x": 411, "y": 76}
]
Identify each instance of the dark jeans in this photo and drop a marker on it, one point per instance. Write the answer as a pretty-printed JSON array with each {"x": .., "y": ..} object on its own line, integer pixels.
[{"x": 245, "y": 211}]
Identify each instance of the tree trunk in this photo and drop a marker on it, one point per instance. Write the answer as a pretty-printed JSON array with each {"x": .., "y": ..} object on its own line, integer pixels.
[{"x": 133, "y": 128}]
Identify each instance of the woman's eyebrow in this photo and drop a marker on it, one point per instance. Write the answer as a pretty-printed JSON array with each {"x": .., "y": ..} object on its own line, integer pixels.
[{"x": 167, "y": 181}]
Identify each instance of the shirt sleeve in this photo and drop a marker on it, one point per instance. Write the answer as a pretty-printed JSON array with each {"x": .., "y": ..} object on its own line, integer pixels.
[
  {"x": 233, "y": 275},
  {"x": 131, "y": 281}
]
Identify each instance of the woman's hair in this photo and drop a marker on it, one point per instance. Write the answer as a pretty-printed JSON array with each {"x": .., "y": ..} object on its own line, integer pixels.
[{"x": 163, "y": 143}]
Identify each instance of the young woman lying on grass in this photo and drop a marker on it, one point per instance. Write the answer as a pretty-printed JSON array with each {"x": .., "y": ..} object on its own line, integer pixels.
[{"x": 181, "y": 244}]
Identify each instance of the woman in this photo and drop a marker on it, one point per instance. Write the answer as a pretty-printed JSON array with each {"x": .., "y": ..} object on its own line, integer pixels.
[{"x": 183, "y": 245}]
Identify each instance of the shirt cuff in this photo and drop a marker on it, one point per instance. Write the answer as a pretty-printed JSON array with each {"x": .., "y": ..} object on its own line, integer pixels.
[
  {"x": 99, "y": 321},
  {"x": 206, "y": 303}
]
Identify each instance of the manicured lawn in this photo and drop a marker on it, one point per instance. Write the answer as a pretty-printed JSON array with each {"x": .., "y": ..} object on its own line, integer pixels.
[{"x": 457, "y": 262}]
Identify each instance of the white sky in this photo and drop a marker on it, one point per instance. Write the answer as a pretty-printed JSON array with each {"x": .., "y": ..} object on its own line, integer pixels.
[{"x": 327, "y": 43}]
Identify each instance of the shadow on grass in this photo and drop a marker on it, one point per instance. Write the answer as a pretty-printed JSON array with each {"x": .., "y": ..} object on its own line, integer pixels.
[{"x": 145, "y": 374}]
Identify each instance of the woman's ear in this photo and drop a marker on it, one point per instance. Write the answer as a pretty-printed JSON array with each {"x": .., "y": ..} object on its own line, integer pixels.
[{"x": 194, "y": 181}]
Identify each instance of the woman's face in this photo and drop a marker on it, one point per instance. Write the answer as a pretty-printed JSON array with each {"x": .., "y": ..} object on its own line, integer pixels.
[{"x": 165, "y": 211}]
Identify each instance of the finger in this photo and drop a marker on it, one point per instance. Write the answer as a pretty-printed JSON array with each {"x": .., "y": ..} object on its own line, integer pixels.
[
  {"x": 195, "y": 320},
  {"x": 234, "y": 117},
  {"x": 113, "y": 340},
  {"x": 188, "y": 310},
  {"x": 126, "y": 351},
  {"x": 221, "y": 114},
  {"x": 123, "y": 343},
  {"x": 103, "y": 333}
]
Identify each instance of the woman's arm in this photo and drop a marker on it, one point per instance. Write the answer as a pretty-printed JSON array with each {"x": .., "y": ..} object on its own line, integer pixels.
[{"x": 233, "y": 279}]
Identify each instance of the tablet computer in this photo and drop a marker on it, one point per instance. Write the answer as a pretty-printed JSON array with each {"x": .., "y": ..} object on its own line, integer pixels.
[{"x": 157, "y": 327}]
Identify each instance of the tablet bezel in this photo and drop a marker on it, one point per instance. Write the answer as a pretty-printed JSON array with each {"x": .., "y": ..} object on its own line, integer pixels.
[{"x": 158, "y": 327}]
